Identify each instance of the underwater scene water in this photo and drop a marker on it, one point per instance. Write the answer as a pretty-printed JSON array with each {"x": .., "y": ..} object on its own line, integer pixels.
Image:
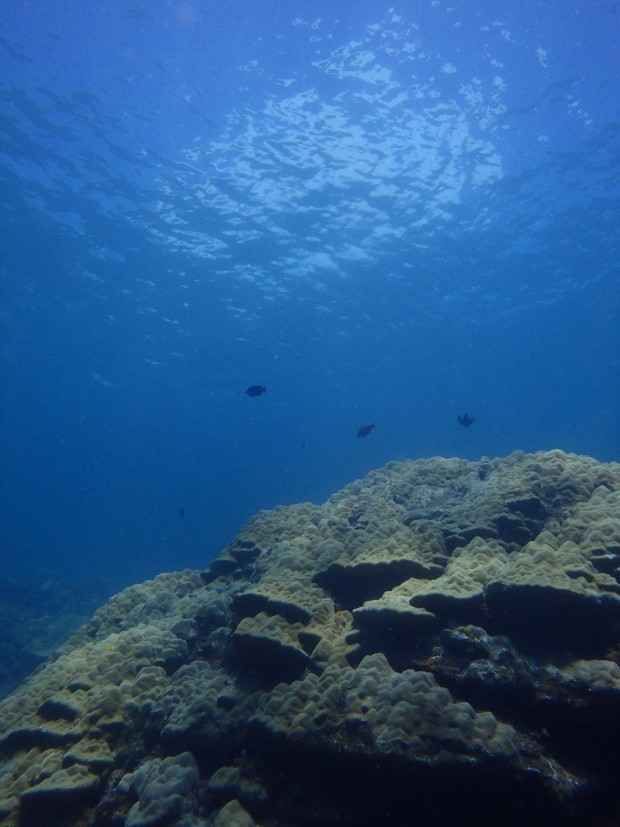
[{"x": 388, "y": 214}]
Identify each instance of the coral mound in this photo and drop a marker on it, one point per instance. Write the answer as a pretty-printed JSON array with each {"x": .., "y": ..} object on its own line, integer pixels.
[{"x": 438, "y": 642}]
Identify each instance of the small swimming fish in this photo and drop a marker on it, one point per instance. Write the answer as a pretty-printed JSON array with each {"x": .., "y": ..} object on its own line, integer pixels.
[
  {"x": 466, "y": 420},
  {"x": 365, "y": 430},
  {"x": 256, "y": 390}
]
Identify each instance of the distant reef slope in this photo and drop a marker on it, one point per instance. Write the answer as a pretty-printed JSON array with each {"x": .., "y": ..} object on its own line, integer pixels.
[
  {"x": 437, "y": 644},
  {"x": 37, "y": 614}
]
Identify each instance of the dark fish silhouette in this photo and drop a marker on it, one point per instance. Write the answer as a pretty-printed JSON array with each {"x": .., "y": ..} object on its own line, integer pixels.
[
  {"x": 256, "y": 390},
  {"x": 365, "y": 430},
  {"x": 466, "y": 420}
]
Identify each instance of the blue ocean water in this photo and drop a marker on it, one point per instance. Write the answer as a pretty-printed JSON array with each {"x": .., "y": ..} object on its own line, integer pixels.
[{"x": 388, "y": 213}]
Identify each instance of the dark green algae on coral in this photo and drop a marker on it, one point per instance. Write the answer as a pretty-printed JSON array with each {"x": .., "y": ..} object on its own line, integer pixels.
[{"x": 437, "y": 643}]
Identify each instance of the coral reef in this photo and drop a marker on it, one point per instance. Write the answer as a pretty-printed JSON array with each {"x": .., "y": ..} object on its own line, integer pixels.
[{"x": 438, "y": 641}]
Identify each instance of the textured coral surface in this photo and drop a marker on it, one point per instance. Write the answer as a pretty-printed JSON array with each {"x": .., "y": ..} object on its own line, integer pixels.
[{"x": 438, "y": 643}]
